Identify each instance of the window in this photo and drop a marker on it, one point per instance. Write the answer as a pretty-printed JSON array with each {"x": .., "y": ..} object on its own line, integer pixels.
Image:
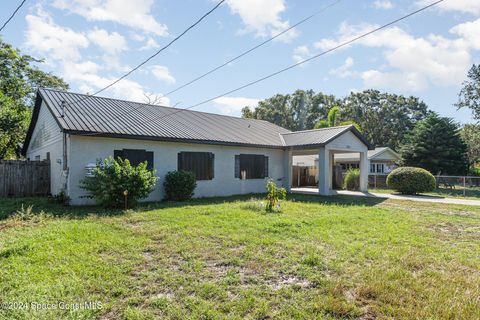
[
  {"x": 251, "y": 166},
  {"x": 380, "y": 168},
  {"x": 200, "y": 163},
  {"x": 135, "y": 156},
  {"x": 372, "y": 168},
  {"x": 37, "y": 158}
]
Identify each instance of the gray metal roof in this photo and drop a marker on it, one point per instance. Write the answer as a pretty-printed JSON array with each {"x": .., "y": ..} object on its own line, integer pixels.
[
  {"x": 319, "y": 136},
  {"x": 94, "y": 114},
  {"x": 99, "y": 116}
]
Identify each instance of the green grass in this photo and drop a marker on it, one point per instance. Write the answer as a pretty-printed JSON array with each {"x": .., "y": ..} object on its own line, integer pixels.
[
  {"x": 470, "y": 193},
  {"x": 330, "y": 258}
]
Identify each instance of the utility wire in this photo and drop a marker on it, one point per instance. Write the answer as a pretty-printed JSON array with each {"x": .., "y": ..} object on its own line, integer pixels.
[
  {"x": 254, "y": 48},
  {"x": 239, "y": 56},
  {"x": 152, "y": 56},
  {"x": 13, "y": 15},
  {"x": 343, "y": 44}
]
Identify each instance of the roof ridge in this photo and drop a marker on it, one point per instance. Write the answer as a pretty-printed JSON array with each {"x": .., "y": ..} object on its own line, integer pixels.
[{"x": 320, "y": 129}]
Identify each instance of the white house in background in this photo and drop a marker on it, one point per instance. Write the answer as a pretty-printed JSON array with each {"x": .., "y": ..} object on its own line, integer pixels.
[
  {"x": 228, "y": 155},
  {"x": 382, "y": 160}
]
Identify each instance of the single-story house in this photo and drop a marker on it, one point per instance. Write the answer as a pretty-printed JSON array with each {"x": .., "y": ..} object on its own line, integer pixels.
[{"x": 228, "y": 155}]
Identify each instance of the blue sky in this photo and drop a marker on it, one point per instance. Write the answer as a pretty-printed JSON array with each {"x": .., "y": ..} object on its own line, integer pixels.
[{"x": 90, "y": 42}]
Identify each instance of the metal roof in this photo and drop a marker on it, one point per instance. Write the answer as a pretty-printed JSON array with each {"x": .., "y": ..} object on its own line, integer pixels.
[
  {"x": 319, "y": 137},
  {"x": 105, "y": 116},
  {"x": 371, "y": 154},
  {"x": 99, "y": 116}
]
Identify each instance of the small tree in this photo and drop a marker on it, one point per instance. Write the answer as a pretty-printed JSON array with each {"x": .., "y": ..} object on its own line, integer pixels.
[
  {"x": 179, "y": 185},
  {"x": 114, "y": 181},
  {"x": 435, "y": 145},
  {"x": 274, "y": 195}
]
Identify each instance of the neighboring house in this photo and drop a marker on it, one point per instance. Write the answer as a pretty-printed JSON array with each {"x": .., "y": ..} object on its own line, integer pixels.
[
  {"x": 228, "y": 155},
  {"x": 382, "y": 160}
]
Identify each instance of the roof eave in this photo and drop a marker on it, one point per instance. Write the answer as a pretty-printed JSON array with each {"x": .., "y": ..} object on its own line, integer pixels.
[{"x": 167, "y": 139}]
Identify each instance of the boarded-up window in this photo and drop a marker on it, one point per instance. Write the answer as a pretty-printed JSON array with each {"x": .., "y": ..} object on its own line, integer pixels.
[
  {"x": 135, "y": 156},
  {"x": 200, "y": 163},
  {"x": 251, "y": 166}
]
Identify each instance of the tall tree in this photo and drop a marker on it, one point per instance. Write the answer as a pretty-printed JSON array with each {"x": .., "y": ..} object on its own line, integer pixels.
[
  {"x": 469, "y": 96},
  {"x": 19, "y": 80},
  {"x": 384, "y": 118},
  {"x": 435, "y": 145},
  {"x": 470, "y": 134},
  {"x": 298, "y": 111}
]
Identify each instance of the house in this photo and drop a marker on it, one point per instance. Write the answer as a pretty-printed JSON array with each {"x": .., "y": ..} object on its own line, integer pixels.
[
  {"x": 228, "y": 155},
  {"x": 382, "y": 160}
]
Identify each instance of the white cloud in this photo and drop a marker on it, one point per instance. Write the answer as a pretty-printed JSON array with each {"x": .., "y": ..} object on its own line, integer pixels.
[
  {"x": 262, "y": 17},
  {"x": 150, "y": 43},
  {"x": 46, "y": 37},
  {"x": 162, "y": 73},
  {"x": 234, "y": 105},
  {"x": 345, "y": 70},
  {"x": 464, "y": 6},
  {"x": 111, "y": 43},
  {"x": 135, "y": 14},
  {"x": 413, "y": 63},
  {"x": 383, "y": 4},
  {"x": 301, "y": 53}
]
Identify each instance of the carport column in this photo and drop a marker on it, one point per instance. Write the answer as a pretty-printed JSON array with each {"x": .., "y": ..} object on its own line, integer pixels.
[
  {"x": 324, "y": 172},
  {"x": 287, "y": 165},
  {"x": 364, "y": 169}
]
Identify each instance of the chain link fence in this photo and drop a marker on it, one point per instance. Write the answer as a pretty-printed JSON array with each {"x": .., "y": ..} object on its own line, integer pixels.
[{"x": 447, "y": 186}]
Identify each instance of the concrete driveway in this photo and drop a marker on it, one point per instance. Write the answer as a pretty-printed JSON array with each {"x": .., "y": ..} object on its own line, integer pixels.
[{"x": 468, "y": 202}]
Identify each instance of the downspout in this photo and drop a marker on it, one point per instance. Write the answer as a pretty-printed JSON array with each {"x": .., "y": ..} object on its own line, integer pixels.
[{"x": 64, "y": 152}]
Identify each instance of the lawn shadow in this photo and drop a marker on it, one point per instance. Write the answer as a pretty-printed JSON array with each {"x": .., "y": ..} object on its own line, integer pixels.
[{"x": 9, "y": 206}]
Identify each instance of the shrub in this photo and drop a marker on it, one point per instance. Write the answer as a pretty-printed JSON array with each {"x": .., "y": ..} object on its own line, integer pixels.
[
  {"x": 352, "y": 180},
  {"x": 111, "y": 181},
  {"x": 410, "y": 180},
  {"x": 274, "y": 195},
  {"x": 179, "y": 185}
]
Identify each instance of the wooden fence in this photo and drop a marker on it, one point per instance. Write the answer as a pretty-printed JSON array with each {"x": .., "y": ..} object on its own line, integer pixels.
[{"x": 24, "y": 178}]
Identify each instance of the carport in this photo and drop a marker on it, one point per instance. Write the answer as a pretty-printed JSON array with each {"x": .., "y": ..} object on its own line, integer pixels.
[{"x": 326, "y": 143}]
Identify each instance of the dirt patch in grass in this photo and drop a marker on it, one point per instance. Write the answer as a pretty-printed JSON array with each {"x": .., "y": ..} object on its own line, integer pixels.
[{"x": 456, "y": 229}]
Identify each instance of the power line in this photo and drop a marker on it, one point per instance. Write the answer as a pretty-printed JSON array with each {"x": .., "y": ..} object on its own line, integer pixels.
[
  {"x": 152, "y": 56},
  {"x": 253, "y": 48},
  {"x": 13, "y": 15},
  {"x": 239, "y": 56},
  {"x": 343, "y": 44}
]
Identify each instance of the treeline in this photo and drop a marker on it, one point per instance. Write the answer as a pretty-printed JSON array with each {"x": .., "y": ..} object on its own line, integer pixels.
[
  {"x": 404, "y": 124},
  {"x": 384, "y": 118}
]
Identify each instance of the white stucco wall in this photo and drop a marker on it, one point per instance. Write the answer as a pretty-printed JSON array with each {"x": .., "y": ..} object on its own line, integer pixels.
[
  {"x": 347, "y": 142},
  {"x": 47, "y": 137},
  {"x": 85, "y": 150}
]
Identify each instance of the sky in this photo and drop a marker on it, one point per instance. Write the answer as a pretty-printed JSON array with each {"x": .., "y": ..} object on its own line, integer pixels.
[{"x": 92, "y": 42}]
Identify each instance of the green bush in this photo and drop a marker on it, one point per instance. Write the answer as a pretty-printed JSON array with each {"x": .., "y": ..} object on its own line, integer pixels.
[
  {"x": 111, "y": 181},
  {"x": 411, "y": 180},
  {"x": 274, "y": 195},
  {"x": 179, "y": 185},
  {"x": 352, "y": 180}
]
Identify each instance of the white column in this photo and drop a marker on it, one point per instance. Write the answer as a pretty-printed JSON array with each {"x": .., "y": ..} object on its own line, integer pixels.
[
  {"x": 324, "y": 172},
  {"x": 364, "y": 170},
  {"x": 287, "y": 167}
]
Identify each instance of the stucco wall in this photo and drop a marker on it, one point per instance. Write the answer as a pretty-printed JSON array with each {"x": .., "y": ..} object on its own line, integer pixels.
[
  {"x": 347, "y": 142},
  {"x": 85, "y": 150},
  {"x": 47, "y": 137}
]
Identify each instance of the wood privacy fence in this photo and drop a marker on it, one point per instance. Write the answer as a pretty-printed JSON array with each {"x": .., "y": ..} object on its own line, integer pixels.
[{"x": 24, "y": 178}]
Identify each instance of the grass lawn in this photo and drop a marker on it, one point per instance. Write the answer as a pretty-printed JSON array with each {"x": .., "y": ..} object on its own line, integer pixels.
[
  {"x": 330, "y": 258},
  {"x": 470, "y": 193}
]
